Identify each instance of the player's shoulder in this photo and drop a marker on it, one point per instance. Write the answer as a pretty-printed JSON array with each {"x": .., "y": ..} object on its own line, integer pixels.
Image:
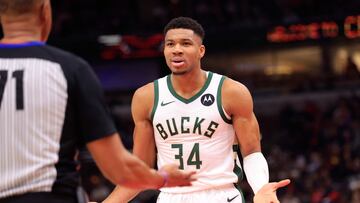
[
  {"x": 236, "y": 97},
  {"x": 143, "y": 99},
  {"x": 146, "y": 91},
  {"x": 232, "y": 86}
]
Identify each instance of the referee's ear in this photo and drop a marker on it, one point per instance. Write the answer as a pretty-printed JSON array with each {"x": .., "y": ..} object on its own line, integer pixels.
[{"x": 46, "y": 20}]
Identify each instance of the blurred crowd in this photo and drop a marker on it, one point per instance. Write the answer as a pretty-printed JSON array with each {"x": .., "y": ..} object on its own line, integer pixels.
[
  {"x": 318, "y": 147},
  {"x": 89, "y": 17}
]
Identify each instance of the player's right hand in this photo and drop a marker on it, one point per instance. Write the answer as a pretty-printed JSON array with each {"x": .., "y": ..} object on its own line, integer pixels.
[{"x": 176, "y": 177}]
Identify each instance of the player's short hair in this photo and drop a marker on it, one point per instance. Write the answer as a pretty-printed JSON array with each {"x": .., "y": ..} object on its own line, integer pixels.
[
  {"x": 185, "y": 23},
  {"x": 17, "y": 7}
]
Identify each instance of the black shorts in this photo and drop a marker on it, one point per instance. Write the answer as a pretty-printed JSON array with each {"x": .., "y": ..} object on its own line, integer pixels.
[{"x": 40, "y": 197}]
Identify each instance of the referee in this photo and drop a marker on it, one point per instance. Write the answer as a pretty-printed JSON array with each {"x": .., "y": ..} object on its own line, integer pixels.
[{"x": 50, "y": 105}]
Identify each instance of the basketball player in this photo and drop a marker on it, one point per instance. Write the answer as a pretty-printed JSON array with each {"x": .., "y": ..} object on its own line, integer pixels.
[
  {"x": 192, "y": 117},
  {"x": 50, "y": 105}
]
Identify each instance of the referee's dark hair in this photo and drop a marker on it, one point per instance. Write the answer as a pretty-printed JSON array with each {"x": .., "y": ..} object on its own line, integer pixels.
[
  {"x": 16, "y": 7},
  {"x": 185, "y": 23}
]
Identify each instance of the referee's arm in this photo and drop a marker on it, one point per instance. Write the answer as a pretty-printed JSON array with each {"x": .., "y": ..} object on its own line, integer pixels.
[
  {"x": 99, "y": 133},
  {"x": 120, "y": 167}
]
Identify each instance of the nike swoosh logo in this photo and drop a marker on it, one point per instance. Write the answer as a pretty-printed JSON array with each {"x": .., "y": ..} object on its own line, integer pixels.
[
  {"x": 230, "y": 200},
  {"x": 164, "y": 104}
]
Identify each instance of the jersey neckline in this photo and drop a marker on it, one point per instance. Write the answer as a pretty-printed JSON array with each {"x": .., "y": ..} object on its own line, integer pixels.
[
  {"x": 186, "y": 101},
  {"x": 19, "y": 45}
]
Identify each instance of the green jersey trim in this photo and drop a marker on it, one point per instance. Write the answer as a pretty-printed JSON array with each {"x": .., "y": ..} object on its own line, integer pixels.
[
  {"x": 156, "y": 98},
  {"x": 237, "y": 169},
  {"x": 186, "y": 101},
  {"x": 219, "y": 102},
  {"x": 237, "y": 186}
]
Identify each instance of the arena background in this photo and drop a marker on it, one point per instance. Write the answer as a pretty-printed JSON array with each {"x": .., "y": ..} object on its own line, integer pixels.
[{"x": 299, "y": 58}]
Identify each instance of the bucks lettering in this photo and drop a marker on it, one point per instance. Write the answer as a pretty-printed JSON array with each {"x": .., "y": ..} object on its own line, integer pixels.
[{"x": 186, "y": 125}]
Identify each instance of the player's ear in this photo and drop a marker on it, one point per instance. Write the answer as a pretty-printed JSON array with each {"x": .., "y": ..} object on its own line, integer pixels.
[{"x": 202, "y": 50}]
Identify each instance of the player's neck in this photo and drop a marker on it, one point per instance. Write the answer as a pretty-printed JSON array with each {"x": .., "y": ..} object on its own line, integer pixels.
[{"x": 189, "y": 84}]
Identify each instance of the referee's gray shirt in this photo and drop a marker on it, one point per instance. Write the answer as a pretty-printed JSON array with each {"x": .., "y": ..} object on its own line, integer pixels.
[{"x": 51, "y": 104}]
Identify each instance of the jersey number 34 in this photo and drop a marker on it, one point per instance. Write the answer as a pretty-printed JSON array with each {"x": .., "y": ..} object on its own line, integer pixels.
[{"x": 193, "y": 159}]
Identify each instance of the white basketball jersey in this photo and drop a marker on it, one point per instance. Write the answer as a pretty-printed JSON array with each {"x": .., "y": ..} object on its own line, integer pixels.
[{"x": 194, "y": 133}]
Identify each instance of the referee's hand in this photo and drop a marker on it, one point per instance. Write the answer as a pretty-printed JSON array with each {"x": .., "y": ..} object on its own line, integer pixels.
[{"x": 176, "y": 177}]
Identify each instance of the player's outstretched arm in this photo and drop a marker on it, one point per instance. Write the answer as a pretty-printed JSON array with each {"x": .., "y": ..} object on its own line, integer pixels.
[{"x": 267, "y": 194}]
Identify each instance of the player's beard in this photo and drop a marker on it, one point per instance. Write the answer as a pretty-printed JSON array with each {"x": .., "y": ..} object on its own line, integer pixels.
[{"x": 180, "y": 72}]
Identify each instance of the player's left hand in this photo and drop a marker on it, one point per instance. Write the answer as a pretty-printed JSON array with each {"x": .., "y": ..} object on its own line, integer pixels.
[{"x": 267, "y": 194}]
